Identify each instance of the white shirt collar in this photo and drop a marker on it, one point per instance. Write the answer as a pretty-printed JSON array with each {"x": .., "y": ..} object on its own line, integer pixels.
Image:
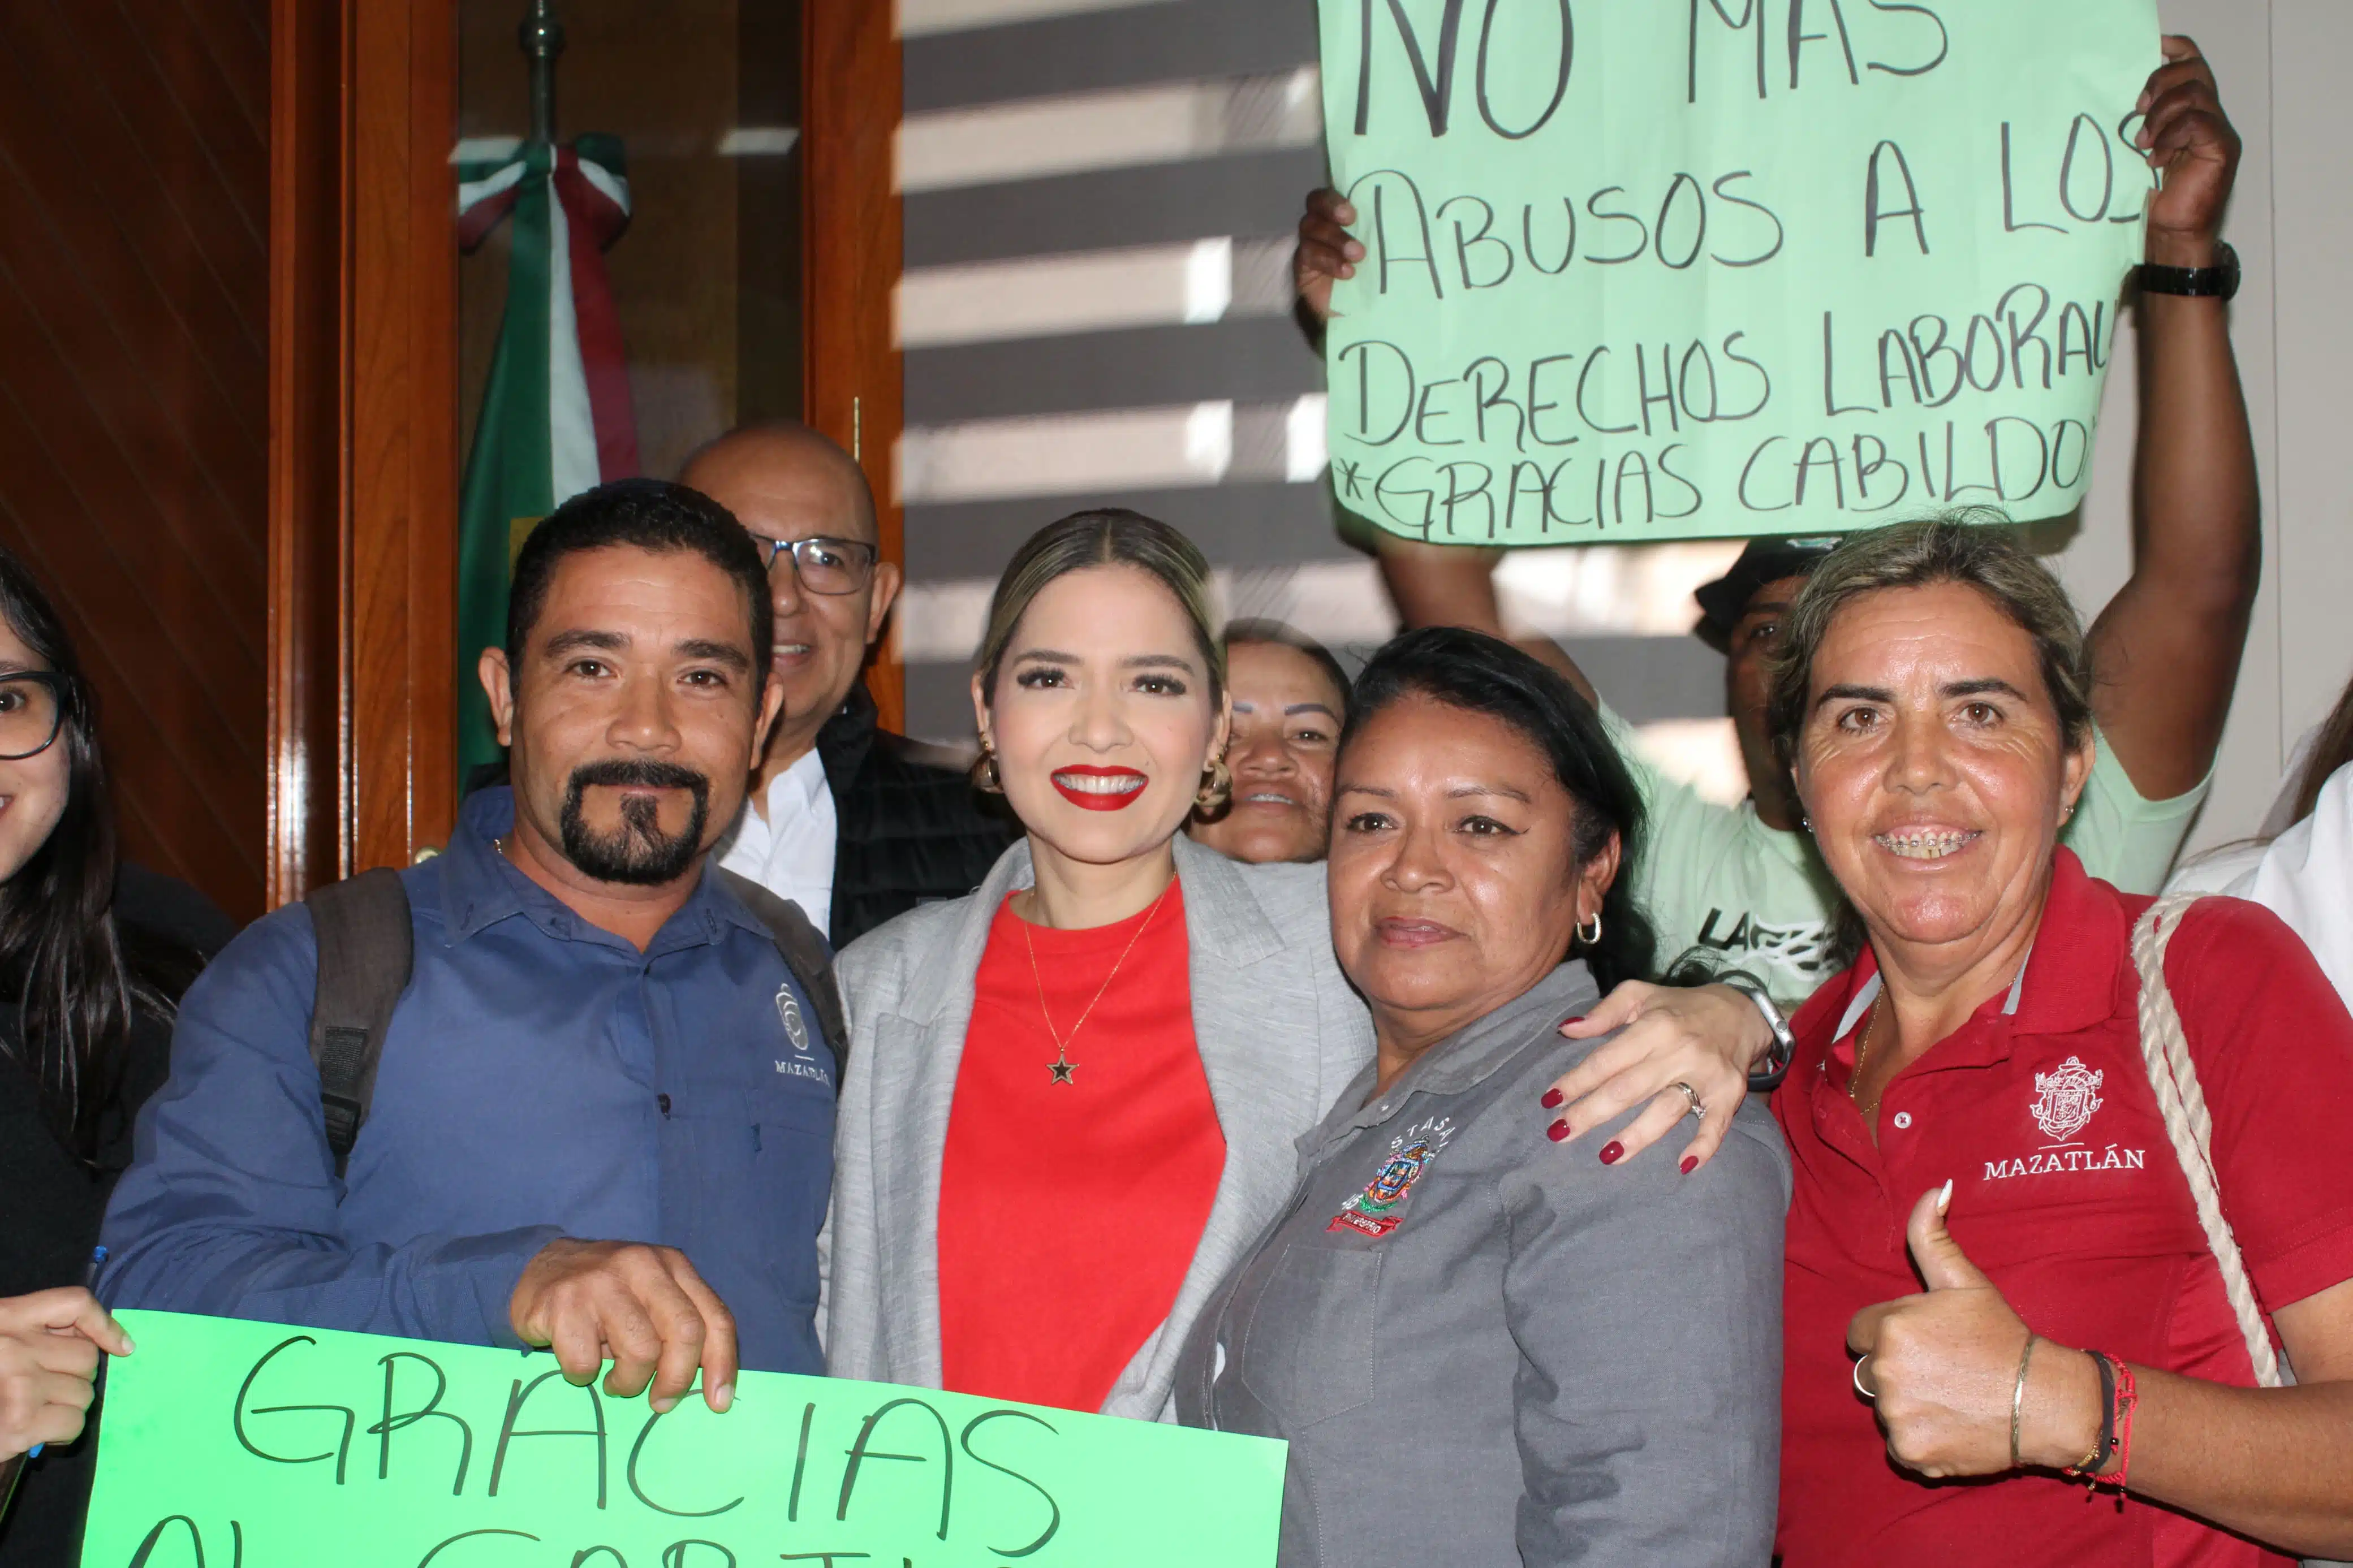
[
  {"x": 791, "y": 853},
  {"x": 1872, "y": 988}
]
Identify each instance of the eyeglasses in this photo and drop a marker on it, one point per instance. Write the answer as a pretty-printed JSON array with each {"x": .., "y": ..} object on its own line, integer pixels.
[
  {"x": 824, "y": 565},
  {"x": 32, "y": 710}
]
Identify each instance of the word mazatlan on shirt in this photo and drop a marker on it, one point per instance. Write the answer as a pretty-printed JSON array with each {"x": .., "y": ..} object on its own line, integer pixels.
[{"x": 2056, "y": 1161}]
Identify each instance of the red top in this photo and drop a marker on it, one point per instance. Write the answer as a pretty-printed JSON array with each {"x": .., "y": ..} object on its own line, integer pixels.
[
  {"x": 2066, "y": 1192},
  {"x": 1070, "y": 1213}
]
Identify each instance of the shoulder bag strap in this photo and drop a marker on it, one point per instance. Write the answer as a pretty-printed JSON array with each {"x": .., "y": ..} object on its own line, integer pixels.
[
  {"x": 366, "y": 950},
  {"x": 2165, "y": 1052}
]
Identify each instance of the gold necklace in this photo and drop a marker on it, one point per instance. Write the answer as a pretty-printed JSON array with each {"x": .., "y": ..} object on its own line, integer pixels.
[
  {"x": 1063, "y": 1066},
  {"x": 1861, "y": 1055}
]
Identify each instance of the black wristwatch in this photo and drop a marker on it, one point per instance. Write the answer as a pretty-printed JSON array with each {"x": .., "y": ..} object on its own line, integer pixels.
[
  {"x": 2220, "y": 281},
  {"x": 1767, "y": 1076}
]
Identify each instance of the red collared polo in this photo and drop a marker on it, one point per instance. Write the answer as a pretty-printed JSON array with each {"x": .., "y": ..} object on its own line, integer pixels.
[{"x": 2067, "y": 1194}]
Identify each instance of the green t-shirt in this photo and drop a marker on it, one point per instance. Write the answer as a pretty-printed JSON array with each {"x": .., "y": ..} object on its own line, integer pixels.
[{"x": 1723, "y": 886}]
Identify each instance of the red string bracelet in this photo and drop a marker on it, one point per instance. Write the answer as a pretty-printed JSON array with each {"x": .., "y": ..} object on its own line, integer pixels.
[
  {"x": 2118, "y": 1394},
  {"x": 2127, "y": 1396}
]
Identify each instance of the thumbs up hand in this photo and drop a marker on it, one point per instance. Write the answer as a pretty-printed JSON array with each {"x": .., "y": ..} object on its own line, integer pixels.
[{"x": 1944, "y": 1365}]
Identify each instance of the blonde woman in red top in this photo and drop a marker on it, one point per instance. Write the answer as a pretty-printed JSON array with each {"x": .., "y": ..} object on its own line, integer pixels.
[{"x": 1072, "y": 1095}]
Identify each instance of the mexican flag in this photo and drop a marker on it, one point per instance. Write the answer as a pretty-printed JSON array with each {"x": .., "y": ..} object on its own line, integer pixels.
[{"x": 555, "y": 414}]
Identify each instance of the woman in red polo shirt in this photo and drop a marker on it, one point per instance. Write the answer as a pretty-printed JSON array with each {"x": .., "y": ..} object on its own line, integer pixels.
[{"x": 1968, "y": 1108}]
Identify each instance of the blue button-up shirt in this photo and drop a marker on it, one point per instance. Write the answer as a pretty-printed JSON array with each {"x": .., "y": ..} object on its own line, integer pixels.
[{"x": 541, "y": 1078}]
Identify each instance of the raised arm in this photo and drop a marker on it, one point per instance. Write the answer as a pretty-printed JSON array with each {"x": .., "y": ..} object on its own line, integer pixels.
[{"x": 2165, "y": 652}]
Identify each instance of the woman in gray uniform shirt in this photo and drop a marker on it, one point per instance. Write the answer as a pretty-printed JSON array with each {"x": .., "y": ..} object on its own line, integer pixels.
[{"x": 1482, "y": 1353}]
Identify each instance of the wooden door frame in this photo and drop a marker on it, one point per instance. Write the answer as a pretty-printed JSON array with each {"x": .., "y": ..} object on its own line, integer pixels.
[
  {"x": 365, "y": 401},
  {"x": 363, "y": 434},
  {"x": 851, "y": 97}
]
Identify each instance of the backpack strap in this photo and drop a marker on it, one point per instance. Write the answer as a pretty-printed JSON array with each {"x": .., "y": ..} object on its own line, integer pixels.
[
  {"x": 366, "y": 950},
  {"x": 804, "y": 952}
]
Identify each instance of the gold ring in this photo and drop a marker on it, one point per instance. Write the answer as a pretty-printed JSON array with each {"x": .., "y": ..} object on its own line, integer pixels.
[
  {"x": 1691, "y": 1096},
  {"x": 1871, "y": 1394}
]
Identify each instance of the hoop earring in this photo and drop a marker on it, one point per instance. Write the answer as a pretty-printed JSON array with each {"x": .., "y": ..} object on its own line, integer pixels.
[
  {"x": 1217, "y": 787},
  {"x": 1590, "y": 938},
  {"x": 984, "y": 773}
]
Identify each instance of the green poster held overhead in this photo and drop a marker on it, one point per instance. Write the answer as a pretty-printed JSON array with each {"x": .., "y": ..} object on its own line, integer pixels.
[
  {"x": 240, "y": 1445},
  {"x": 1644, "y": 269}
]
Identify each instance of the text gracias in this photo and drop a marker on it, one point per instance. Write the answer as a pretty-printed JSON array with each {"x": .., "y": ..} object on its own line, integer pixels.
[{"x": 275, "y": 1431}]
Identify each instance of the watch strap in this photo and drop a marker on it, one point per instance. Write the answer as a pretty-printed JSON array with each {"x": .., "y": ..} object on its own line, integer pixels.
[
  {"x": 2220, "y": 281},
  {"x": 1775, "y": 1066}
]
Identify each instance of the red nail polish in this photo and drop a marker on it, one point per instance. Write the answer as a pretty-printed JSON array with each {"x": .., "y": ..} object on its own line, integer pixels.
[
  {"x": 1579, "y": 1019},
  {"x": 1556, "y": 1132},
  {"x": 1690, "y": 1163},
  {"x": 1611, "y": 1152},
  {"x": 1551, "y": 1100}
]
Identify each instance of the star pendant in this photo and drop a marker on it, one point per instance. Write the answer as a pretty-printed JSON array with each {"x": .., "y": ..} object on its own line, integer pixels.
[{"x": 1062, "y": 1067}]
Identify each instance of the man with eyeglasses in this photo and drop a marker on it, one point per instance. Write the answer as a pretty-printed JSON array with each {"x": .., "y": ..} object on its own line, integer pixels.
[{"x": 851, "y": 822}]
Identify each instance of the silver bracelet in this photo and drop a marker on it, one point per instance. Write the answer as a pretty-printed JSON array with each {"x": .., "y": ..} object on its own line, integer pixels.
[{"x": 2017, "y": 1400}]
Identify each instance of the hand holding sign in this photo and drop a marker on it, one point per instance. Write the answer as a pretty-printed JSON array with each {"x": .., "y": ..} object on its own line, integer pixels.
[
  {"x": 642, "y": 1308},
  {"x": 1943, "y": 1368},
  {"x": 2191, "y": 146},
  {"x": 49, "y": 1346},
  {"x": 271, "y": 1446},
  {"x": 1327, "y": 252}
]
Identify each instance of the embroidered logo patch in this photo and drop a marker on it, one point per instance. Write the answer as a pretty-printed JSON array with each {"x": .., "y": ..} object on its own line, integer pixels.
[
  {"x": 2065, "y": 1100},
  {"x": 788, "y": 1014},
  {"x": 1374, "y": 1210}
]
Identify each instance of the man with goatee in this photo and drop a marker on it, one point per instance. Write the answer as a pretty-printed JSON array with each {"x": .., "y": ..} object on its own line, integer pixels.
[{"x": 601, "y": 1116}]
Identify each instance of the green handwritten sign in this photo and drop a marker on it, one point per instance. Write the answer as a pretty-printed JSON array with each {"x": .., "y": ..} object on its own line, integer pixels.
[
  {"x": 1680, "y": 268},
  {"x": 237, "y": 1444}
]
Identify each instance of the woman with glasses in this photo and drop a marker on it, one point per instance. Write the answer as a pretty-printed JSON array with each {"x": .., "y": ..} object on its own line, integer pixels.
[{"x": 93, "y": 957}]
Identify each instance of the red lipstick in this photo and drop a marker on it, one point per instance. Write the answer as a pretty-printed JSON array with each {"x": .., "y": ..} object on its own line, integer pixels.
[{"x": 1100, "y": 789}]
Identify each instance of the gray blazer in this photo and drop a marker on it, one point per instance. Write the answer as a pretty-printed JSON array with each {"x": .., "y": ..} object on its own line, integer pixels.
[
  {"x": 1489, "y": 1352},
  {"x": 1278, "y": 1028}
]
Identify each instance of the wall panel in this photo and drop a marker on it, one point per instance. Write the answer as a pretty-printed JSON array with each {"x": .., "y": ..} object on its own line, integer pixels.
[{"x": 133, "y": 408}]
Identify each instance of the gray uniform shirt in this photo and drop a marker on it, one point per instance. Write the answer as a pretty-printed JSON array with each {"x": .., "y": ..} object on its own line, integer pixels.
[{"x": 1485, "y": 1349}]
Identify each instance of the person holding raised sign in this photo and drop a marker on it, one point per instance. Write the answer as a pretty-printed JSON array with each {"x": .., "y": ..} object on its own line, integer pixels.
[
  {"x": 599, "y": 1116},
  {"x": 1742, "y": 887}
]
